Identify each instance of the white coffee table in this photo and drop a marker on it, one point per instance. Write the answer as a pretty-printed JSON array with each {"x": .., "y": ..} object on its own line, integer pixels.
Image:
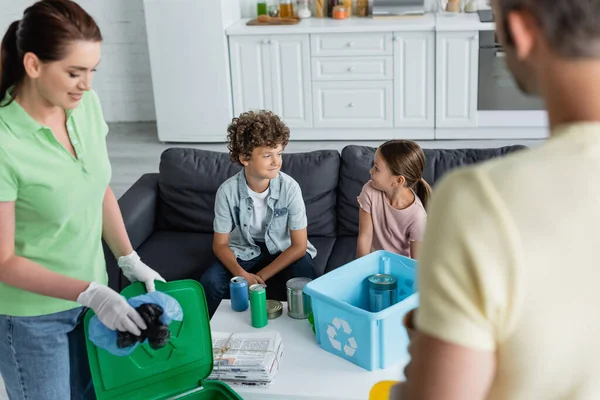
[{"x": 306, "y": 371}]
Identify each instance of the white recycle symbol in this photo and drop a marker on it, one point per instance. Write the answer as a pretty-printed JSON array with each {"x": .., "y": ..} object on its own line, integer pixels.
[{"x": 332, "y": 330}]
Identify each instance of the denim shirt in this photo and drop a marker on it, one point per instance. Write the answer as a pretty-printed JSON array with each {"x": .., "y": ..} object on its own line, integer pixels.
[{"x": 234, "y": 209}]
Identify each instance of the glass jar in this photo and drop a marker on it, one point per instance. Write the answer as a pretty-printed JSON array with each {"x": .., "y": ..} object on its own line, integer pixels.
[
  {"x": 339, "y": 12},
  {"x": 303, "y": 10},
  {"x": 320, "y": 8},
  {"x": 362, "y": 8},
  {"x": 286, "y": 9},
  {"x": 261, "y": 7},
  {"x": 348, "y": 5}
]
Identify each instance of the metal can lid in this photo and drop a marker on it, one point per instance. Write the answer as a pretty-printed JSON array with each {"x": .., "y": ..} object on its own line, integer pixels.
[
  {"x": 257, "y": 287},
  {"x": 297, "y": 283},
  {"x": 383, "y": 282},
  {"x": 274, "y": 309},
  {"x": 238, "y": 280}
]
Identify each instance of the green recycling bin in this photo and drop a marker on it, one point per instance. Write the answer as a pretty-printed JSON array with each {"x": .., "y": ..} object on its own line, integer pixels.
[{"x": 178, "y": 370}]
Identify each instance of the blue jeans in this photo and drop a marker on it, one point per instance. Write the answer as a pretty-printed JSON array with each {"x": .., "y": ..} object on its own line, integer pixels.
[
  {"x": 45, "y": 357},
  {"x": 216, "y": 279}
]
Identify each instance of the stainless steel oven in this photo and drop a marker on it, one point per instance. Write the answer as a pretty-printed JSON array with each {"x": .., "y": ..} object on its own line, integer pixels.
[{"x": 497, "y": 88}]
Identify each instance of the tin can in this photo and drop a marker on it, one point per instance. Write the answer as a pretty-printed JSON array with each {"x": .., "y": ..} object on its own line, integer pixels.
[
  {"x": 299, "y": 305},
  {"x": 258, "y": 305},
  {"x": 238, "y": 292},
  {"x": 383, "y": 291},
  {"x": 274, "y": 309}
]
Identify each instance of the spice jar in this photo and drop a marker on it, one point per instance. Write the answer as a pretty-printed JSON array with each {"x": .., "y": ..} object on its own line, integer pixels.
[
  {"x": 339, "y": 12},
  {"x": 286, "y": 9},
  {"x": 348, "y": 5},
  {"x": 362, "y": 8}
]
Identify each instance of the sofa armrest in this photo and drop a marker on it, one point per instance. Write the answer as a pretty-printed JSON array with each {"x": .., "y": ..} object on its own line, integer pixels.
[{"x": 138, "y": 206}]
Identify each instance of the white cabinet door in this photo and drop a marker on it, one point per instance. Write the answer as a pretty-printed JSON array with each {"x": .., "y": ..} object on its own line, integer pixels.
[
  {"x": 361, "y": 104},
  {"x": 290, "y": 79},
  {"x": 456, "y": 83},
  {"x": 414, "y": 65},
  {"x": 250, "y": 73}
]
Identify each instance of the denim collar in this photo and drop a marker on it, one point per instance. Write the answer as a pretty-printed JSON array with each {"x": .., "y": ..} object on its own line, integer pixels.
[{"x": 274, "y": 186}]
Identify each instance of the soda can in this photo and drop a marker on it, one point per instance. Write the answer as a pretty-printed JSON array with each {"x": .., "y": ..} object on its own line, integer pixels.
[
  {"x": 238, "y": 292},
  {"x": 258, "y": 305},
  {"x": 383, "y": 290}
]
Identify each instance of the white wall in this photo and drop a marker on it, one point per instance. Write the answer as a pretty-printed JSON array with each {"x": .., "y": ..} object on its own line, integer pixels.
[{"x": 123, "y": 79}]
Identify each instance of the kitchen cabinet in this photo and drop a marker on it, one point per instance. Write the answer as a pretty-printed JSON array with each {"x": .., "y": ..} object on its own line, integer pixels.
[
  {"x": 272, "y": 72},
  {"x": 456, "y": 79},
  {"x": 414, "y": 79}
]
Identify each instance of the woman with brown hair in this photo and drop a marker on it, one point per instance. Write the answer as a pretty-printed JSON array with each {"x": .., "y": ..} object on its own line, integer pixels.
[
  {"x": 392, "y": 203},
  {"x": 56, "y": 205}
]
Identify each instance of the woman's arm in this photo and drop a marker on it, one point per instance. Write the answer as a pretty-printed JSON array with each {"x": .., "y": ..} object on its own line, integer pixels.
[
  {"x": 113, "y": 227},
  {"x": 365, "y": 234},
  {"x": 25, "y": 274}
]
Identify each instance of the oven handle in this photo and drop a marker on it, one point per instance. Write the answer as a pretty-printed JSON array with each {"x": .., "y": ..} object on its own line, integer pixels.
[{"x": 499, "y": 54}]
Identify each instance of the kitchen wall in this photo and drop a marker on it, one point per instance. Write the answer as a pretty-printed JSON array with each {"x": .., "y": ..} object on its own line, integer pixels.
[{"x": 123, "y": 79}]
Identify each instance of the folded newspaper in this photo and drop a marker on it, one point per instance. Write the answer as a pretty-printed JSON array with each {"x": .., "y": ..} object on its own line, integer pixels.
[{"x": 250, "y": 358}]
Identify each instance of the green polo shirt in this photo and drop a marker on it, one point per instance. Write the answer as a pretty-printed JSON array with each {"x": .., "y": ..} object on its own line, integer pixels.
[{"x": 58, "y": 198}]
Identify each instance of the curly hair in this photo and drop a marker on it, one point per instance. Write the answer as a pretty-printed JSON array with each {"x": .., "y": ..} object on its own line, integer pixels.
[{"x": 255, "y": 129}]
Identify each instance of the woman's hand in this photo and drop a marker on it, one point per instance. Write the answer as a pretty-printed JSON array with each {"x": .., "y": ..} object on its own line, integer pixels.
[
  {"x": 112, "y": 309},
  {"x": 135, "y": 270}
]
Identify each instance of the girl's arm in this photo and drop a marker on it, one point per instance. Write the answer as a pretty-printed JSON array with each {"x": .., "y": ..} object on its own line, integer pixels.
[
  {"x": 414, "y": 248},
  {"x": 365, "y": 234}
]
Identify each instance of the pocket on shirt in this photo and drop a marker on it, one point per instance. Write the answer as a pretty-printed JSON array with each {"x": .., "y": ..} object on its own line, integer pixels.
[{"x": 280, "y": 219}]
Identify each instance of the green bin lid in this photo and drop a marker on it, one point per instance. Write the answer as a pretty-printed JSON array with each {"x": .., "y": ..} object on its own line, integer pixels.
[{"x": 178, "y": 367}]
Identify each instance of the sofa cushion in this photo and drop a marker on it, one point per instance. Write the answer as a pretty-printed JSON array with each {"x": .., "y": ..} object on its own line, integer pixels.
[
  {"x": 189, "y": 179},
  {"x": 343, "y": 252},
  {"x": 178, "y": 255},
  {"x": 357, "y": 160},
  {"x": 187, "y": 185},
  {"x": 317, "y": 173},
  {"x": 324, "y": 246},
  {"x": 187, "y": 255}
]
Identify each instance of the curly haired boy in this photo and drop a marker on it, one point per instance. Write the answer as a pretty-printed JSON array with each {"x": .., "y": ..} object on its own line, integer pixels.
[{"x": 260, "y": 217}]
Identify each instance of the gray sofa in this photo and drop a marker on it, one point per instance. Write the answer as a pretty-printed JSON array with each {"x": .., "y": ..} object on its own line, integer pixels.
[{"x": 169, "y": 214}]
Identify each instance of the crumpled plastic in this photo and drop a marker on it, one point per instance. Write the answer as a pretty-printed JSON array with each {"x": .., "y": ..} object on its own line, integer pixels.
[{"x": 108, "y": 339}]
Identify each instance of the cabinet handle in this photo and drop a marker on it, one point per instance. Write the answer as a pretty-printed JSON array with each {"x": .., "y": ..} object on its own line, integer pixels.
[
  {"x": 350, "y": 44},
  {"x": 350, "y": 69},
  {"x": 350, "y": 104}
]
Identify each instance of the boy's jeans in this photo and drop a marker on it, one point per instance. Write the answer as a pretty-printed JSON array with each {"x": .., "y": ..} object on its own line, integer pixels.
[
  {"x": 216, "y": 279},
  {"x": 45, "y": 357}
]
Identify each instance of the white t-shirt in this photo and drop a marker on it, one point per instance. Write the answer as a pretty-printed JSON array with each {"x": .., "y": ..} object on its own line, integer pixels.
[
  {"x": 259, "y": 217},
  {"x": 509, "y": 263}
]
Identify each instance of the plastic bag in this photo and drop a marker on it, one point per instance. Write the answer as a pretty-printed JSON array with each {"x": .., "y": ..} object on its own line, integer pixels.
[{"x": 106, "y": 338}]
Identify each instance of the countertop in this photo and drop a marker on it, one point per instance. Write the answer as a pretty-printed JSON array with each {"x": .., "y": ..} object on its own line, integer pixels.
[{"x": 442, "y": 22}]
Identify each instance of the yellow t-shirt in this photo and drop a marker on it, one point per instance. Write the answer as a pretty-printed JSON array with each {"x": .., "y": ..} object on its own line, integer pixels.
[{"x": 511, "y": 263}]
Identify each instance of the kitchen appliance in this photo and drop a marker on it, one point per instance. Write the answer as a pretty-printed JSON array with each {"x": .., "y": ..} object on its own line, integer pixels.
[
  {"x": 390, "y": 8},
  {"x": 486, "y": 16},
  {"x": 497, "y": 89}
]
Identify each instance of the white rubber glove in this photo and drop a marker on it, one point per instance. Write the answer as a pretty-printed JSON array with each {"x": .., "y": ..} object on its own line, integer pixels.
[
  {"x": 112, "y": 309},
  {"x": 135, "y": 270}
]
